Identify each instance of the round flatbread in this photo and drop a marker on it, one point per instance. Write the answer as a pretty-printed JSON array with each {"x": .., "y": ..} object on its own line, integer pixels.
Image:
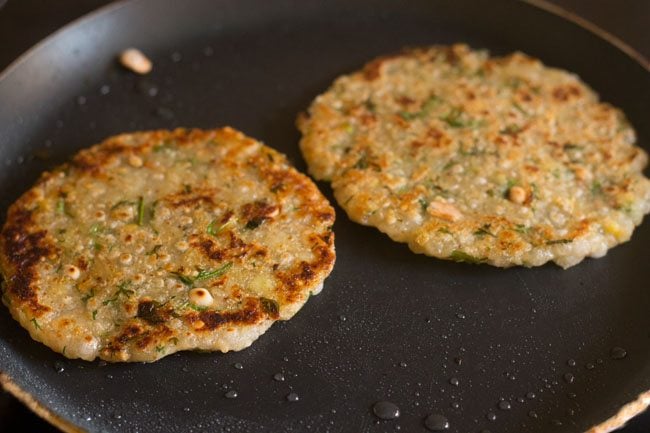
[
  {"x": 477, "y": 159},
  {"x": 155, "y": 242}
]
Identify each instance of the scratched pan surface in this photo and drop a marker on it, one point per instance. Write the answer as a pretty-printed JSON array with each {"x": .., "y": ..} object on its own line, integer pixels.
[{"x": 389, "y": 325}]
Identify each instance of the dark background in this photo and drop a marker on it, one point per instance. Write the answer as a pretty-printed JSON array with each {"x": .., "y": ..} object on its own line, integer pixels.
[{"x": 25, "y": 22}]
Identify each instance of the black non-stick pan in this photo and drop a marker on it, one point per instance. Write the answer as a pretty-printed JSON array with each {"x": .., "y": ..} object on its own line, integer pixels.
[{"x": 504, "y": 350}]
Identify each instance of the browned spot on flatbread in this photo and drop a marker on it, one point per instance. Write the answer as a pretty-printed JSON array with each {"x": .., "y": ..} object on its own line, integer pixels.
[{"x": 24, "y": 248}]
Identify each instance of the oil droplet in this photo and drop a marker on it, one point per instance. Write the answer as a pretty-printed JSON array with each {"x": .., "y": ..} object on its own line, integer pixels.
[
  {"x": 278, "y": 377},
  {"x": 531, "y": 395},
  {"x": 186, "y": 409},
  {"x": 164, "y": 113},
  {"x": 617, "y": 353},
  {"x": 238, "y": 365},
  {"x": 403, "y": 364},
  {"x": 342, "y": 318},
  {"x": 568, "y": 377},
  {"x": 458, "y": 360},
  {"x": 455, "y": 405},
  {"x": 556, "y": 422},
  {"x": 570, "y": 412},
  {"x": 386, "y": 410},
  {"x": 292, "y": 397},
  {"x": 59, "y": 367},
  {"x": 436, "y": 422},
  {"x": 571, "y": 362},
  {"x": 590, "y": 366},
  {"x": 454, "y": 381},
  {"x": 231, "y": 394},
  {"x": 532, "y": 414},
  {"x": 491, "y": 416},
  {"x": 521, "y": 399},
  {"x": 504, "y": 405},
  {"x": 571, "y": 395},
  {"x": 460, "y": 315}
]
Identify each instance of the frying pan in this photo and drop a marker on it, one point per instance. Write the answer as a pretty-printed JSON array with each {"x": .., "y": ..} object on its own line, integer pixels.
[{"x": 565, "y": 348}]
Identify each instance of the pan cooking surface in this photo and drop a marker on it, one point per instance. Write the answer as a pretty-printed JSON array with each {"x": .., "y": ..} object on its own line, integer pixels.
[{"x": 506, "y": 350}]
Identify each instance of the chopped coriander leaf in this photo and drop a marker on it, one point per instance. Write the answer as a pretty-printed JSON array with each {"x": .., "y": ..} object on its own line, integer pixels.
[
  {"x": 212, "y": 230},
  {"x": 160, "y": 349},
  {"x": 121, "y": 290},
  {"x": 140, "y": 217},
  {"x": 203, "y": 275},
  {"x": 559, "y": 241},
  {"x": 521, "y": 228},
  {"x": 362, "y": 162},
  {"x": 87, "y": 296},
  {"x": 423, "y": 204},
  {"x": 596, "y": 187},
  {"x": 94, "y": 314},
  {"x": 461, "y": 256},
  {"x": 183, "y": 278},
  {"x": 122, "y": 203},
  {"x": 207, "y": 275},
  {"x": 154, "y": 250},
  {"x": 511, "y": 130},
  {"x": 519, "y": 108},
  {"x": 483, "y": 231},
  {"x": 60, "y": 206},
  {"x": 35, "y": 323},
  {"x": 456, "y": 118},
  {"x": 426, "y": 108},
  {"x": 270, "y": 306}
]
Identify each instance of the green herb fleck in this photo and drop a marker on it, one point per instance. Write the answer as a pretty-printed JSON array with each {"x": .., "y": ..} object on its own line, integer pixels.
[
  {"x": 214, "y": 231},
  {"x": 122, "y": 203},
  {"x": 35, "y": 323},
  {"x": 426, "y": 108},
  {"x": 64, "y": 349},
  {"x": 121, "y": 291},
  {"x": 183, "y": 278},
  {"x": 483, "y": 231},
  {"x": 559, "y": 241},
  {"x": 520, "y": 108},
  {"x": 87, "y": 296},
  {"x": 596, "y": 187},
  {"x": 461, "y": 256},
  {"x": 140, "y": 217},
  {"x": 444, "y": 230},
  {"x": 362, "y": 162},
  {"x": 370, "y": 106},
  {"x": 511, "y": 130},
  {"x": 154, "y": 250},
  {"x": 423, "y": 204},
  {"x": 174, "y": 341},
  {"x": 160, "y": 349},
  {"x": 521, "y": 228},
  {"x": 94, "y": 314},
  {"x": 208, "y": 275},
  {"x": 270, "y": 306},
  {"x": 457, "y": 118},
  {"x": 203, "y": 275}
]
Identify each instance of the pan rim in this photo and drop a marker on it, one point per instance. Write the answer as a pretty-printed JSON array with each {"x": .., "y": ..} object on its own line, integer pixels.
[{"x": 624, "y": 414}]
